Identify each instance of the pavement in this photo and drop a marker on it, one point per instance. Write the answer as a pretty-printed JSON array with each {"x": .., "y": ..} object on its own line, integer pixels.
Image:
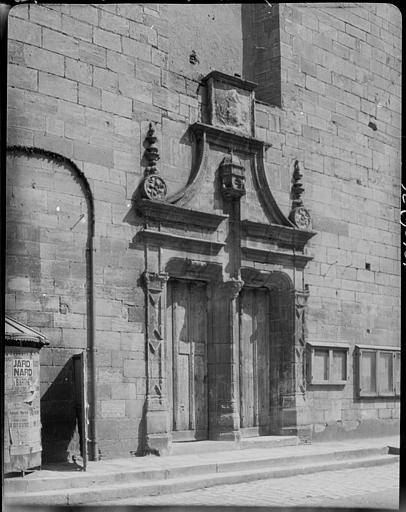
[
  {"x": 139, "y": 478},
  {"x": 372, "y": 487}
]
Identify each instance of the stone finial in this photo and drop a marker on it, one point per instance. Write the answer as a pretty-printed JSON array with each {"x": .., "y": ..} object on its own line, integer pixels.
[
  {"x": 298, "y": 214},
  {"x": 153, "y": 186},
  {"x": 297, "y": 187},
  {"x": 152, "y": 151}
]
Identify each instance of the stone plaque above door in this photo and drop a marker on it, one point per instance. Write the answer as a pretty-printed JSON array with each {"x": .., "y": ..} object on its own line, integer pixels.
[{"x": 230, "y": 103}]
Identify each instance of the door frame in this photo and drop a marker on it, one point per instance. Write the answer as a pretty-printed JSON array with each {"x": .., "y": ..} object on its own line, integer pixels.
[
  {"x": 211, "y": 273},
  {"x": 192, "y": 433},
  {"x": 255, "y": 430}
]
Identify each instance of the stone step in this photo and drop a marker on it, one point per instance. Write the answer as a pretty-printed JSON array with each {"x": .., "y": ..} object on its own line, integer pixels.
[
  {"x": 183, "y": 466},
  {"x": 103, "y": 494},
  {"x": 183, "y": 448}
]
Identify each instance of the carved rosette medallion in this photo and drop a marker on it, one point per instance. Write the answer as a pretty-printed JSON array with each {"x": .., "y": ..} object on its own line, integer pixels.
[
  {"x": 232, "y": 176},
  {"x": 154, "y": 187},
  {"x": 301, "y": 218}
]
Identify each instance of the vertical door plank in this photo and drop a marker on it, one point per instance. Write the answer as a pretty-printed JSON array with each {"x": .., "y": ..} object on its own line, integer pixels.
[
  {"x": 246, "y": 362},
  {"x": 181, "y": 357},
  {"x": 262, "y": 374},
  {"x": 169, "y": 349},
  {"x": 199, "y": 337}
]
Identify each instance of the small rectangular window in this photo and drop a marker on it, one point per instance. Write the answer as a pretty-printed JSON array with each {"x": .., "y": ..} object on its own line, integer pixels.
[
  {"x": 378, "y": 371},
  {"x": 396, "y": 373},
  {"x": 368, "y": 372},
  {"x": 327, "y": 363},
  {"x": 320, "y": 365}
]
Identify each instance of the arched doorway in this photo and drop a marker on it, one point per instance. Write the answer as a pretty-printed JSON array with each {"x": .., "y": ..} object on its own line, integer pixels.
[{"x": 267, "y": 376}]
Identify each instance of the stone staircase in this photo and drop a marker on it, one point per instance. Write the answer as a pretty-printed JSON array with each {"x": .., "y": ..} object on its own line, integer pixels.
[{"x": 148, "y": 476}]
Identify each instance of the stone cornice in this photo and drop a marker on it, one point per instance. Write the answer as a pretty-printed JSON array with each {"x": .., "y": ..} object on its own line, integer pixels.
[
  {"x": 275, "y": 257},
  {"x": 167, "y": 213},
  {"x": 284, "y": 236},
  {"x": 233, "y": 80},
  {"x": 183, "y": 242},
  {"x": 226, "y": 138}
]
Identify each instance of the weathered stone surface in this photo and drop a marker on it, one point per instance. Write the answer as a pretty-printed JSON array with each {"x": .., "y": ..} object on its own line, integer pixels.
[{"x": 86, "y": 81}]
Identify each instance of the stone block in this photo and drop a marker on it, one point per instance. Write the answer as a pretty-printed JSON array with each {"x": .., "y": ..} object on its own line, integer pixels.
[
  {"x": 141, "y": 51},
  {"x": 128, "y": 429},
  {"x": 134, "y": 368},
  {"x": 106, "y": 80},
  {"x": 113, "y": 23},
  {"x": 112, "y": 408},
  {"x": 123, "y": 390},
  {"x": 120, "y": 63},
  {"x": 116, "y": 104},
  {"x": 165, "y": 99},
  {"x": 23, "y": 30},
  {"x": 134, "y": 408},
  {"x": 22, "y": 77},
  {"x": 134, "y": 88},
  {"x": 107, "y": 39},
  {"x": 58, "y": 87},
  {"x": 92, "y": 54},
  {"x": 78, "y": 71}
]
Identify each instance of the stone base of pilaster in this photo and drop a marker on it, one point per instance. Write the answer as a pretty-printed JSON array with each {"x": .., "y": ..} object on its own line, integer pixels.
[
  {"x": 159, "y": 444},
  {"x": 158, "y": 439},
  {"x": 226, "y": 424}
]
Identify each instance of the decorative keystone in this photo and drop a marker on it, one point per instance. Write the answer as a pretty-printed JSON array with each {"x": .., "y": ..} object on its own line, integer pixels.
[{"x": 232, "y": 176}]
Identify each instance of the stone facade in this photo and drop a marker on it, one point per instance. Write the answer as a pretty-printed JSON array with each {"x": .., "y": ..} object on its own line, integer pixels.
[{"x": 92, "y": 88}]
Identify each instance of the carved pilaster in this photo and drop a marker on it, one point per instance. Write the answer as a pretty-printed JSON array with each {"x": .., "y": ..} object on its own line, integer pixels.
[
  {"x": 301, "y": 298},
  {"x": 224, "y": 420},
  {"x": 156, "y": 403},
  {"x": 296, "y": 417}
]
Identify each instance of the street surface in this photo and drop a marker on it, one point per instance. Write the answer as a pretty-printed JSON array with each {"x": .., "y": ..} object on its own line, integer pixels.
[{"x": 372, "y": 487}]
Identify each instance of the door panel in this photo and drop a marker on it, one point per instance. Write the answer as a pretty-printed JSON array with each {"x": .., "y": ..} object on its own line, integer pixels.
[
  {"x": 254, "y": 361},
  {"x": 187, "y": 312}
]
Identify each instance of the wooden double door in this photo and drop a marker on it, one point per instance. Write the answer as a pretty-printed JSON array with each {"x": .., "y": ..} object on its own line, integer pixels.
[
  {"x": 254, "y": 356},
  {"x": 187, "y": 358}
]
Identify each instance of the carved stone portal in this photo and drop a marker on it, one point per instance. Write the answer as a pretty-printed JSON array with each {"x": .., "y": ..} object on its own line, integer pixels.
[
  {"x": 223, "y": 249},
  {"x": 156, "y": 404}
]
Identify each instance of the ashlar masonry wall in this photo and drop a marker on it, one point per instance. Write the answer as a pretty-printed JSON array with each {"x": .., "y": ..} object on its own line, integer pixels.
[
  {"x": 85, "y": 81},
  {"x": 340, "y": 115}
]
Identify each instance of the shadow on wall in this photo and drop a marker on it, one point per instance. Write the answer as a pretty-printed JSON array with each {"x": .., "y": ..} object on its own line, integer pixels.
[{"x": 59, "y": 418}]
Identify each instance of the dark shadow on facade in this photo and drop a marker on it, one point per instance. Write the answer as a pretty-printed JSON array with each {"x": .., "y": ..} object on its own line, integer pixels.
[{"x": 60, "y": 429}]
